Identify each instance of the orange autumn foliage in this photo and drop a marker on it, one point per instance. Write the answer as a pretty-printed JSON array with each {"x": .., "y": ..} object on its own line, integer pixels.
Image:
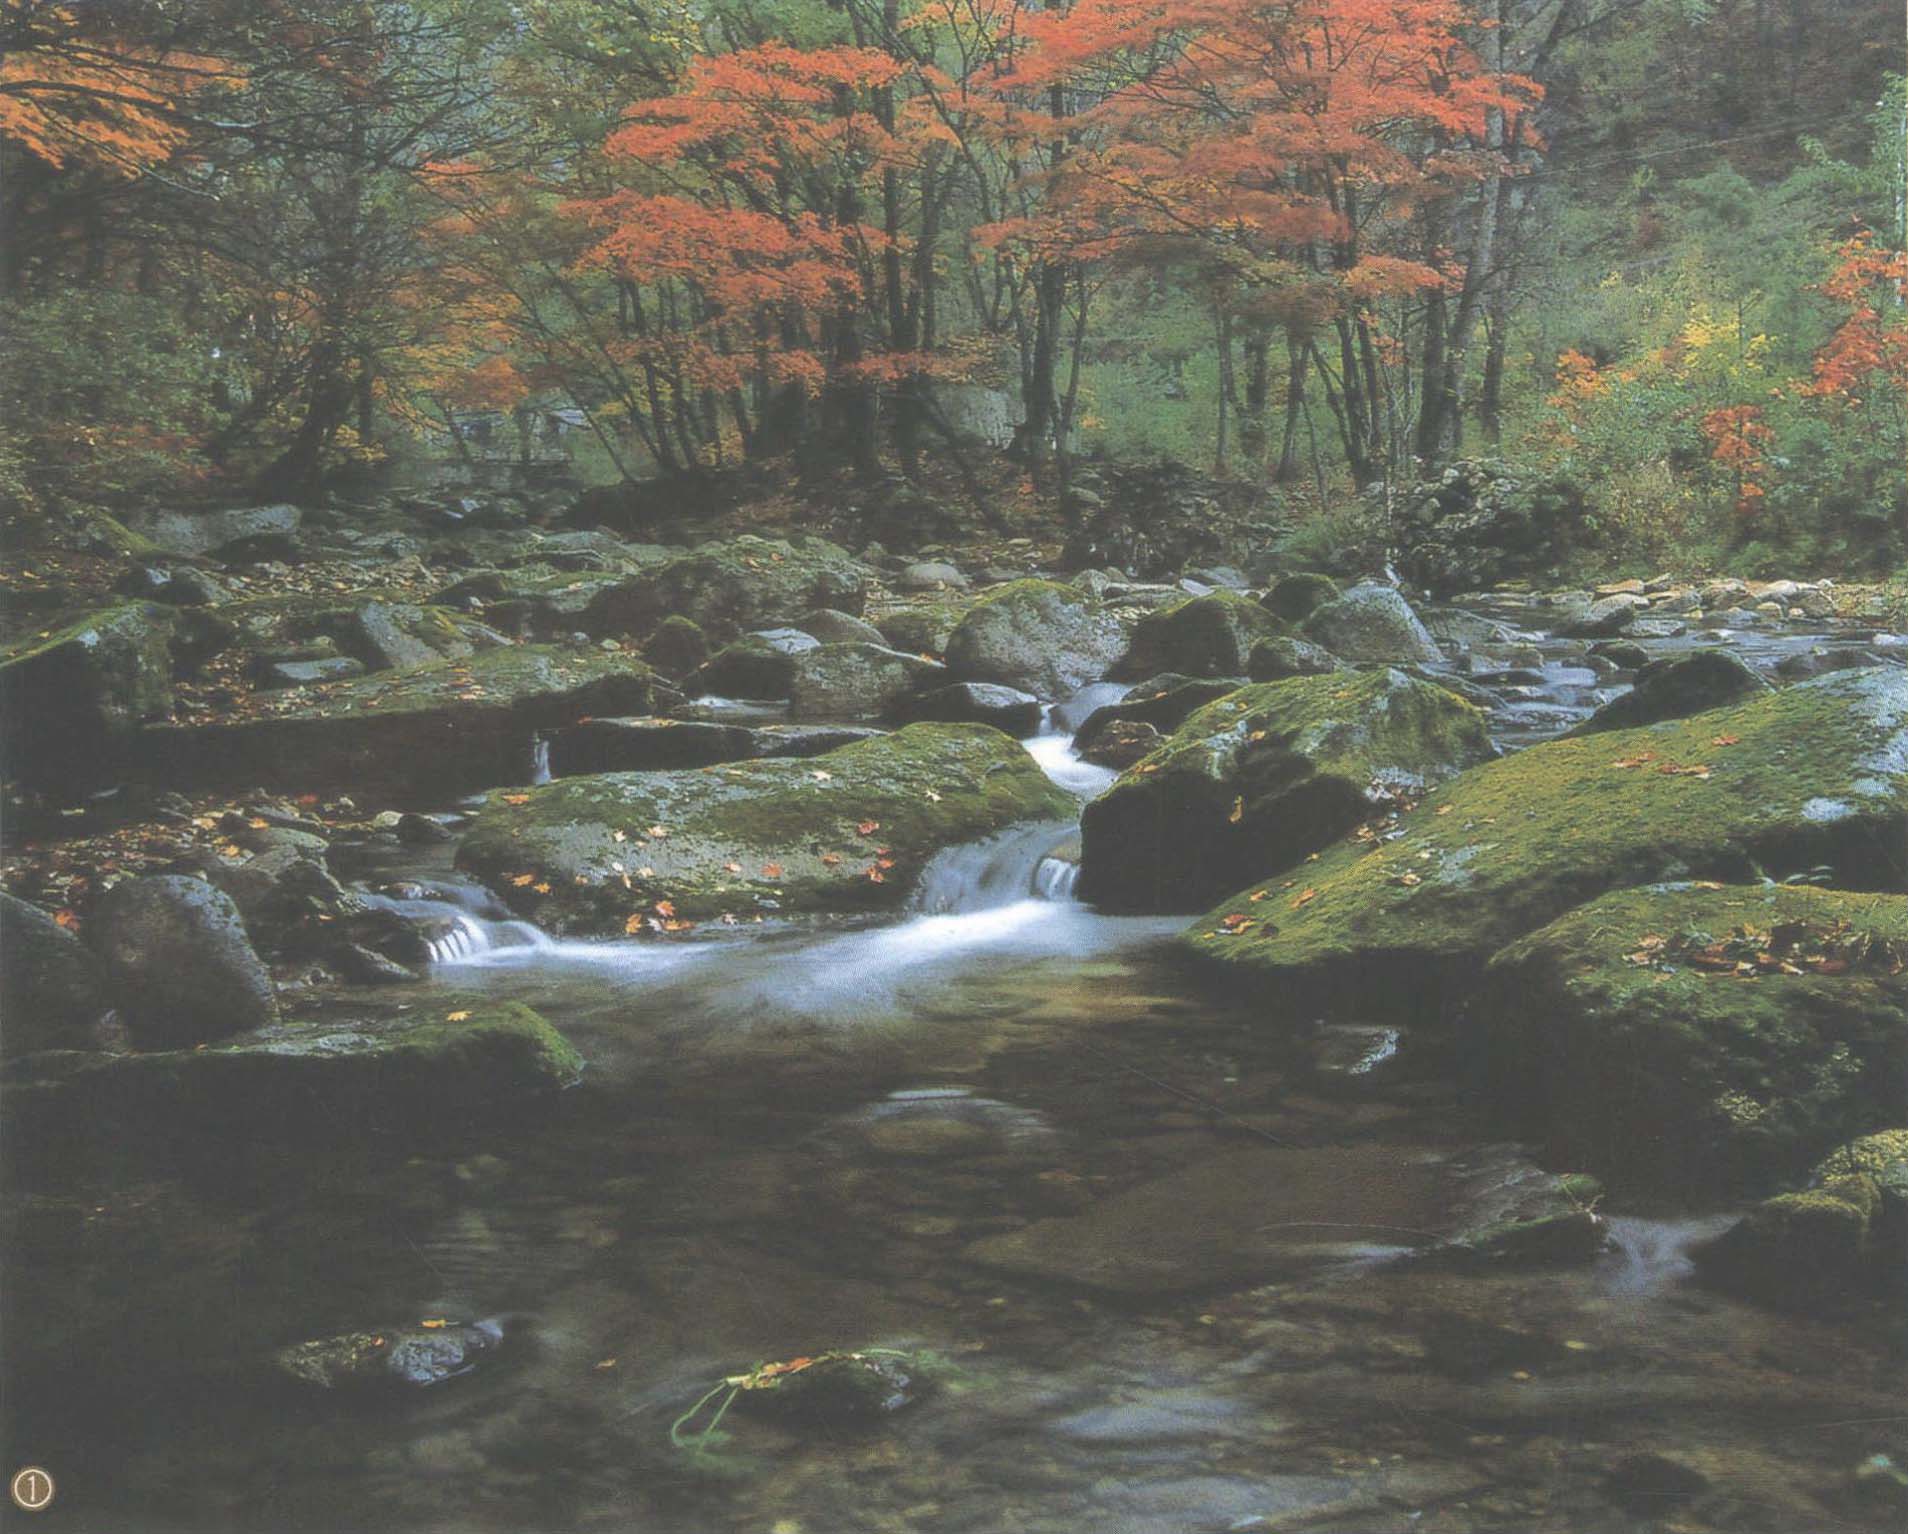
[{"x": 1870, "y": 344}]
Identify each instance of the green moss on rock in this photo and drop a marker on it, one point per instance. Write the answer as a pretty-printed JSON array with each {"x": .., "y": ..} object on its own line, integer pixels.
[
  {"x": 774, "y": 835},
  {"x": 71, "y": 697},
  {"x": 1039, "y": 636},
  {"x": 1202, "y": 636},
  {"x": 733, "y": 585},
  {"x": 387, "y": 1074},
  {"x": 1813, "y": 775},
  {"x": 1657, "y": 1034},
  {"x": 1257, "y": 779},
  {"x": 411, "y": 736}
]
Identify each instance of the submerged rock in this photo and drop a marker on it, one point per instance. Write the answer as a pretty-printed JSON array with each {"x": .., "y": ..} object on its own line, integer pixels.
[
  {"x": 1687, "y": 1037},
  {"x": 1243, "y": 1217},
  {"x": 1676, "y": 688},
  {"x": 1257, "y": 779},
  {"x": 1039, "y": 636},
  {"x": 1373, "y": 625},
  {"x": 72, "y": 699},
  {"x": 1816, "y": 775},
  {"x": 835, "y": 1387},
  {"x": 178, "y": 963},
  {"x": 1203, "y": 636},
  {"x": 1798, "y": 1251},
  {"x": 846, "y": 831},
  {"x": 413, "y": 1357},
  {"x": 424, "y": 734}
]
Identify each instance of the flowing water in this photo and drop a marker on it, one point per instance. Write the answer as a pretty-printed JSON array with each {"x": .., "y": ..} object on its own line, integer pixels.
[{"x": 792, "y": 1138}]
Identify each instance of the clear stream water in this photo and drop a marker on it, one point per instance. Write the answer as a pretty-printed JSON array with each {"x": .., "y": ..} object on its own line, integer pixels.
[{"x": 786, "y": 1140}]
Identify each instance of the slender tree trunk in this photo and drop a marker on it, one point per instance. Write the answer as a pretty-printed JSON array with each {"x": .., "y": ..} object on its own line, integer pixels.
[{"x": 1297, "y": 364}]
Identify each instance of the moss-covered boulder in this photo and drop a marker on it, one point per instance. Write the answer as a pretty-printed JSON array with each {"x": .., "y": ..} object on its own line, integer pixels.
[
  {"x": 1254, "y": 781},
  {"x": 1799, "y": 1251},
  {"x": 71, "y": 697},
  {"x": 1295, "y": 598},
  {"x": 1676, "y": 687},
  {"x": 1039, "y": 636},
  {"x": 390, "y": 1074},
  {"x": 381, "y": 631},
  {"x": 734, "y": 585},
  {"x": 1816, "y": 775},
  {"x": 846, "y": 831},
  {"x": 532, "y": 601},
  {"x": 1689, "y": 1036},
  {"x": 922, "y": 628},
  {"x": 858, "y": 681},
  {"x": 415, "y": 736},
  {"x": 1202, "y": 636},
  {"x": 1274, "y": 659},
  {"x": 1844, "y": 1237},
  {"x": 677, "y": 647},
  {"x": 1372, "y": 625},
  {"x": 758, "y": 665}
]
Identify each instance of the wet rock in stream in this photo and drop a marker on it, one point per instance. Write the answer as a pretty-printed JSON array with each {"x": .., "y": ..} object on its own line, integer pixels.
[
  {"x": 1814, "y": 775},
  {"x": 391, "y": 1358},
  {"x": 1260, "y": 777},
  {"x": 850, "y": 830}
]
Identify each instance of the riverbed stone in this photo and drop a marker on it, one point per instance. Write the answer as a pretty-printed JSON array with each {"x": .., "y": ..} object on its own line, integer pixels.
[
  {"x": 1005, "y": 708},
  {"x": 1207, "y": 635},
  {"x": 1123, "y": 743},
  {"x": 1701, "y": 1036},
  {"x": 389, "y": 1073},
  {"x": 50, "y": 993},
  {"x": 857, "y": 681},
  {"x": 734, "y": 585},
  {"x": 405, "y": 736},
  {"x": 1815, "y": 775},
  {"x": 1242, "y": 1217},
  {"x": 1276, "y": 658},
  {"x": 758, "y": 665},
  {"x": 1800, "y": 1251},
  {"x": 677, "y": 647},
  {"x": 71, "y": 698},
  {"x": 1676, "y": 687},
  {"x": 922, "y": 628},
  {"x": 1259, "y": 778},
  {"x": 1038, "y": 636},
  {"x": 1296, "y": 597},
  {"x": 606, "y": 852},
  {"x": 177, "y": 962},
  {"x": 1165, "y": 702},
  {"x": 389, "y": 1358},
  {"x": 832, "y": 627},
  {"x": 201, "y": 532},
  {"x": 1372, "y": 625}
]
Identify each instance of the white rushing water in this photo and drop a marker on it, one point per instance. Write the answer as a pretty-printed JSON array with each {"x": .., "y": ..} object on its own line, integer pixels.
[{"x": 1057, "y": 760}]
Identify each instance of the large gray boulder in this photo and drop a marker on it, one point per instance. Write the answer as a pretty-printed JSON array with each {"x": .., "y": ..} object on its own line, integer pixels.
[
  {"x": 857, "y": 681},
  {"x": 178, "y": 963},
  {"x": 1372, "y": 624},
  {"x": 200, "y": 532},
  {"x": 758, "y": 665},
  {"x": 1005, "y": 708},
  {"x": 1038, "y": 636},
  {"x": 49, "y": 984}
]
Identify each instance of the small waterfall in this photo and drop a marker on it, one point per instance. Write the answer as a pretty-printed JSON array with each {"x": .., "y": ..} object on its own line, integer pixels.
[
  {"x": 463, "y": 924},
  {"x": 539, "y": 759},
  {"x": 1055, "y": 877}
]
